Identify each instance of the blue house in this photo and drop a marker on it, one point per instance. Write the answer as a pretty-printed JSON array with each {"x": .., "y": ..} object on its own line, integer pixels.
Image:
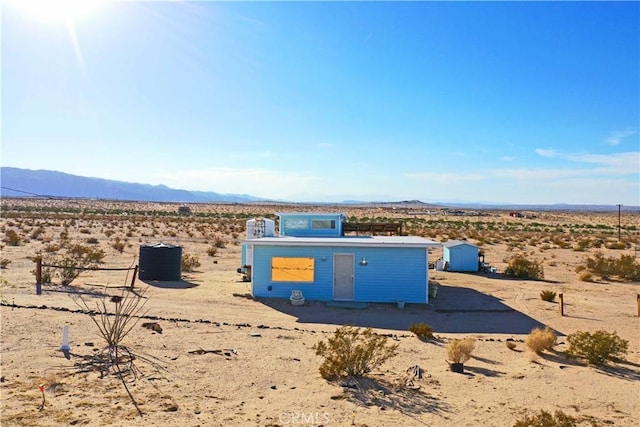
[
  {"x": 460, "y": 255},
  {"x": 313, "y": 255}
]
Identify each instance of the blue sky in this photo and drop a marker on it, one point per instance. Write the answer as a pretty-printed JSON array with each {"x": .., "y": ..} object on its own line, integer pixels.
[{"x": 496, "y": 102}]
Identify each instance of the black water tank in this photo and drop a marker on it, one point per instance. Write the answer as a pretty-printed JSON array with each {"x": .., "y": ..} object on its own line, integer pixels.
[{"x": 160, "y": 262}]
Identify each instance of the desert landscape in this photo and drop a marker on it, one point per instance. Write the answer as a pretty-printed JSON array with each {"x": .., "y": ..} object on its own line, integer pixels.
[{"x": 204, "y": 352}]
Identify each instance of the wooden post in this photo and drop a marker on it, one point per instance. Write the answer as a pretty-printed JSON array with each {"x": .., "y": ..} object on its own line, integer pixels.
[
  {"x": 638, "y": 301},
  {"x": 133, "y": 279},
  {"x": 38, "y": 276},
  {"x": 561, "y": 307}
]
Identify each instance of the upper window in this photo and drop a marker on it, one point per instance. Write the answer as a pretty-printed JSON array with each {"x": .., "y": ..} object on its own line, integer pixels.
[
  {"x": 296, "y": 224},
  {"x": 323, "y": 224}
]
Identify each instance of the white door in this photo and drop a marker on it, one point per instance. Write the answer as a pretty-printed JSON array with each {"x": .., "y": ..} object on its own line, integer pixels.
[{"x": 343, "y": 271}]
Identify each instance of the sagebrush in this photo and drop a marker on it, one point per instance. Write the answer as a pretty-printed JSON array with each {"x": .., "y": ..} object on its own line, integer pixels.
[
  {"x": 597, "y": 347},
  {"x": 353, "y": 352}
]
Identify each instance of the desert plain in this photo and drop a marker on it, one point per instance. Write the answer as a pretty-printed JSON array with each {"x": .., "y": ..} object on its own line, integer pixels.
[{"x": 218, "y": 357}]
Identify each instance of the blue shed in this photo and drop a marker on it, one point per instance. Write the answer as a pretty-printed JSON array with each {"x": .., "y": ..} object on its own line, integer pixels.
[
  {"x": 460, "y": 255},
  {"x": 332, "y": 267}
]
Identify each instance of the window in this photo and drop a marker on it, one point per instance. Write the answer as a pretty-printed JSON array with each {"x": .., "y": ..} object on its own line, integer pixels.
[
  {"x": 323, "y": 224},
  {"x": 296, "y": 224},
  {"x": 292, "y": 269}
]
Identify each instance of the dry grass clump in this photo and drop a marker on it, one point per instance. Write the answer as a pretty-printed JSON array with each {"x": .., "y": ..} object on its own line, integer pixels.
[
  {"x": 422, "y": 330},
  {"x": 540, "y": 340},
  {"x": 510, "y": 345},
  {"x": 459, "y": 350},
  {"x": 545, "y": 419},
  {"x": 547, "y": 295},
  {"x": 353, "y": 352}
]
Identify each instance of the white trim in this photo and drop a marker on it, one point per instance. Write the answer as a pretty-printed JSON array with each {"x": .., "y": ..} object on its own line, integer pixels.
[{"x": 364, "y": 241}]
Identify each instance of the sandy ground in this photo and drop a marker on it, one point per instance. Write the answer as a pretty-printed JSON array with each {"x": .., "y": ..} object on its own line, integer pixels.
[{"x": 223, "y": 359}]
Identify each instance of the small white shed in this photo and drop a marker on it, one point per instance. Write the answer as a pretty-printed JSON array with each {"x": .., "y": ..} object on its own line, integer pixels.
[{"x": 460, "y": 255}]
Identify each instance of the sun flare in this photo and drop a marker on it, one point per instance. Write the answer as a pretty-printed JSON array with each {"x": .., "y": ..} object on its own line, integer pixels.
[{"x": 56, "y": 11}]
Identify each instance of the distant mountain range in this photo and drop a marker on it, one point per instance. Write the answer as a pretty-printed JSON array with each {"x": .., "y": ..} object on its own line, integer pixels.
[{"x": 17, "y": 182}]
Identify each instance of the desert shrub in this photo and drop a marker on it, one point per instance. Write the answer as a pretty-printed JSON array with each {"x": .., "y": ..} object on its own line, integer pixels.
[
  {"x": 69, "y": 271},
  {"x": 547, "y": 295},
  {"x": 189, "y": 262},
  {"x": 212, "y": 251},
  {"x": 92, "y": 241},
  {"x": 118, "y": 245},
  {"x": 86, "y": 255},
  {"x": 510, "y": 345},
  {"x": 12, "y": 238},
  {"x": 459, "y": 350},
  {"x": 598, "y": 347},
  {"x": 523, "y": 268},
  {"x": 545, "y": 419},
  {"x": 4, "y": 262},
  {"x": 353, "y": 352},
  {"x": 541, "y": 339},
  {"x": 616, "y": 245},
  {"x": 422, "y": 330},
  {"x": 582, "y": 245},
  {"x": 626, "y": 267},
  {"x": 585, "y": 276},
  {"x": 219, "y": 242}
]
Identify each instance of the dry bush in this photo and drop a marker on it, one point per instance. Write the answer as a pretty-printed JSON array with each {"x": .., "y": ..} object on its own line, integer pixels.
[
  {"x": 541, "y": 339},
  {"x": 625, "y": 268},
  {"x": 547, "y": 295},
  {"x": 598, "y": 347},
  {"x": 212, "y": 251},
  {"x": 585, "y": 276},
  {"x": 459, "y": 350},
  {"x": 422, "y": 330},
  {"x": 190, "y": 263},
  {"x": 511, "y": 345},
  {"x": 545, "y": 419},
  {"x": 12, "y": 238},
  {"x": 219, "y": 242},
  {"x": 353, "y": 352},
  {"x": 523, "y": 268}
]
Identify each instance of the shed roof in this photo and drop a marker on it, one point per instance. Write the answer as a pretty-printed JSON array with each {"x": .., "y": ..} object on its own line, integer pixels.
[
  {"x": 347, "y": 241},
  {"x": 454, "y": 243}
]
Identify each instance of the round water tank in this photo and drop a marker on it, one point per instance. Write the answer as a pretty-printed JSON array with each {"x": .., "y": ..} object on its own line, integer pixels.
[{"x": 160, "y": 262}]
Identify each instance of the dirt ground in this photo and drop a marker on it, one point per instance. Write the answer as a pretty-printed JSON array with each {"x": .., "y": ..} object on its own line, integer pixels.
[{"x": 221, "y": 358}]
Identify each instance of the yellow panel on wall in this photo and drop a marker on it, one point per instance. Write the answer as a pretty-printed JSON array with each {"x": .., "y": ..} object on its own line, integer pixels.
[{"x": 292, "y": 269}]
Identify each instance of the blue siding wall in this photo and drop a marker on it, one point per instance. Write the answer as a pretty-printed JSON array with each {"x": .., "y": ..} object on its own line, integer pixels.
[
  {"x": 461, "y": 258},
  {"x": 391, "y": 274},
  {"x": 308, "y": 231}
]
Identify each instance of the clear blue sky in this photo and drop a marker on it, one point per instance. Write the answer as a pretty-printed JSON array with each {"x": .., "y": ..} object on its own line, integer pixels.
[{"x": 502, "y": 102}]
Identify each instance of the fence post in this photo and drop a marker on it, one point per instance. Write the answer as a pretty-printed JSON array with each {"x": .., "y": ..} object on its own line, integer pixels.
[
  {"x": 133, "y": 279},
  {"x": 38, "y": 276},
  {"x": 638, "y": 301},
  {"x": 561, "y": 307}
]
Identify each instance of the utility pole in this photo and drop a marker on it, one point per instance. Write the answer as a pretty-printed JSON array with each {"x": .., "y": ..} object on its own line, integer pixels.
[{"x": 619, "y": 206}]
